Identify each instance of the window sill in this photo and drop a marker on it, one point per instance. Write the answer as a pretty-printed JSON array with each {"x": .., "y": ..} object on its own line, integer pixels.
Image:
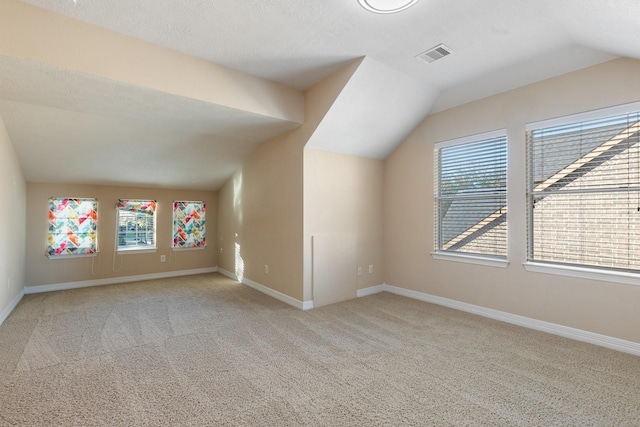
[
  {"x": 584, "y": 273},
  {"x": 470, "y": 259},
  {"x": 136, "y": 251},
  {"x": 71, "y": 256},
  {"x": 199, "y": 248}
]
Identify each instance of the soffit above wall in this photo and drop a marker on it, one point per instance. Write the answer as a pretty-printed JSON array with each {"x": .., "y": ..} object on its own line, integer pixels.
[
  {"x": 138, "y": 115},
  {"x": 70, "y": 127}
]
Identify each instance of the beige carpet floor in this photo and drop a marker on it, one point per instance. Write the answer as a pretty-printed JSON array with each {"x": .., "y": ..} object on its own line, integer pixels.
[{"x": 206, "y": 351}]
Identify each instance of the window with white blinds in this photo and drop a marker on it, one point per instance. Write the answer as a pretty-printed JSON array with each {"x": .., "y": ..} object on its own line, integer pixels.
[
  {"x": 584, "y": 190},
  {"x": 471, "y": 195},
  {"x": 136, "y": 221}
]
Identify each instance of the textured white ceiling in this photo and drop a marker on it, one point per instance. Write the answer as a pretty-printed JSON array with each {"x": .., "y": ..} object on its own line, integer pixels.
[
  {"x": 297, "y": 42},
  {"x": 498, "y": 45}
]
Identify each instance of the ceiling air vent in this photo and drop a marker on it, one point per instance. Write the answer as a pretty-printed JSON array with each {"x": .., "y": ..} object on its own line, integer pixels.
[{"x": 435, "y": 53}]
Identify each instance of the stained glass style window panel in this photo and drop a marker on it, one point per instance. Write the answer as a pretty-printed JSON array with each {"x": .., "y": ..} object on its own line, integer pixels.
[
  {"x": 189, "y": 225},
  {"x": 72, "y": 227}
]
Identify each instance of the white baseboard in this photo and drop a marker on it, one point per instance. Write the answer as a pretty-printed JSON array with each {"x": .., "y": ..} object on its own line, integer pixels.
[
  {"x": 301, "y": 305},
  {"x": 227, "y": 273},
  {"x": 12, "y": 305},
  {"x": 618, "y": 344},
  {"x": 370, "y": 290},
  {"x": 114, "y": 280}
]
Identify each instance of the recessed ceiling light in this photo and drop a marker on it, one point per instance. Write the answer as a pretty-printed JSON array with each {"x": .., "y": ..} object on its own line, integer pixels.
[{"x": 386, "y": 6}]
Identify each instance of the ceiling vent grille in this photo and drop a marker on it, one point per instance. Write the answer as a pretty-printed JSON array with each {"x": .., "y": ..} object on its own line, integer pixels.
[{"x": 435, "y": 53}]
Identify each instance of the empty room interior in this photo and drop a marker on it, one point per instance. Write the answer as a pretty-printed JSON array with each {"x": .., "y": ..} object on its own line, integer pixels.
[{"x": 340, "y": 212}]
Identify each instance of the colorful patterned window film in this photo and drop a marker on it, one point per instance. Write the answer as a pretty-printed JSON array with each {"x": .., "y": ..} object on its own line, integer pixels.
[
  {"x": 136, "y": 224},
  {"x": 188, "y": 225},
  {"x": 141, "y": 206},
  {"x": 72, "y": 227}
]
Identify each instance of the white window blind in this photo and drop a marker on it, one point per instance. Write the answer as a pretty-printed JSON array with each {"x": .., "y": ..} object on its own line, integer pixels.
[
  {"x": 471, "y": 190},
  {"x": 136, "y": 221},
  {"x": 584, "y": 191}
]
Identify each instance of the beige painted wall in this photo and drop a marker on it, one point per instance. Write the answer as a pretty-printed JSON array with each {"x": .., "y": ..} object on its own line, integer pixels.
[
  {"x": 261, "y": 206},
  {"x": 13, "y": 192},
  {"x": 601, "y": 307},
  {"x": 43, "y": 271},
  {"x": 261, "y": 217},
  {"x": 343, "y": 197}
]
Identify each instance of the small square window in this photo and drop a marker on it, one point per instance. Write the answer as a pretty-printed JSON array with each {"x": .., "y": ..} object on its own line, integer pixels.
[
  {"x": 136, "y": 221},
  {"x": 72, "y": 227},
  {"x": 189, "y": 225}
]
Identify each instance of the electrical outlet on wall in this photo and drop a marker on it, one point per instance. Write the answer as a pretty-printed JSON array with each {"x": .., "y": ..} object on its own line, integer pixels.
[
  {"x": 359, "y": 271},
  {"x": 266, "y": 269},
  {"x": 163, "y": 258},
  {"x": 370, "y": 268}
]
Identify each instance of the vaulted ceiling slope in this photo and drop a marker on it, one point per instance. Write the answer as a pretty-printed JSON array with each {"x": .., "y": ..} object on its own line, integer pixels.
[
  {"x": 83, "y": 104},
  {"x": 178, "y": 94}
]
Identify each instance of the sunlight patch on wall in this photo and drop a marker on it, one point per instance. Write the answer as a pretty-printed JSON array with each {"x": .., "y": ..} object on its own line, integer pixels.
[
  {"x": 239, "y": 262},
  {"x": 237, "y": 194}
]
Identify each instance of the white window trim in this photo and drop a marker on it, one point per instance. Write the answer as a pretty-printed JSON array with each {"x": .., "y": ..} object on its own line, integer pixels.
[
  {"x": 471, "y": 138},
  {"x": 585, "y": 116},
  {"x": 470, "y": 259},
  {"x": 178, "y": 249},
  {"x": 583, "y": 272},
  {"x": 137, "y": 251},
  {"x": 72, "y": 256}
]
